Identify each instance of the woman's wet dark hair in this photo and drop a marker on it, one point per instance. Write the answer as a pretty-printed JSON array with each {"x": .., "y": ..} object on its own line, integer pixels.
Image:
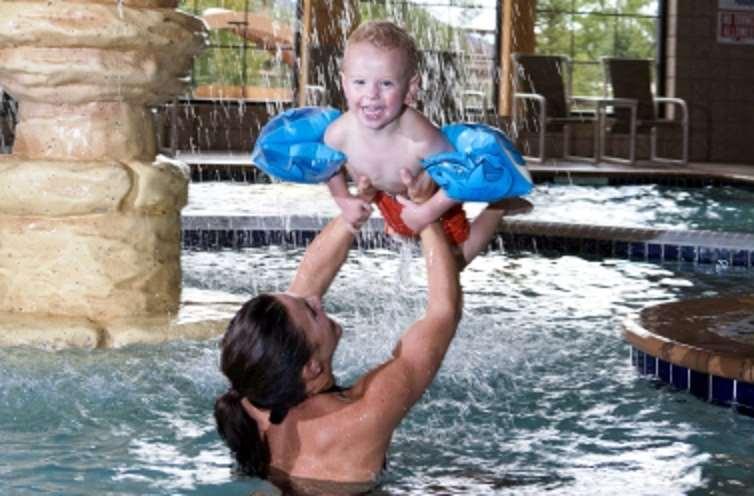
[{"x": 263, "y": 354}]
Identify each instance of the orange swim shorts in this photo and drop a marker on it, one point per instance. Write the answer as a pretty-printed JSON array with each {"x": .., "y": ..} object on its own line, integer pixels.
[{"x": 454, "y": 221}]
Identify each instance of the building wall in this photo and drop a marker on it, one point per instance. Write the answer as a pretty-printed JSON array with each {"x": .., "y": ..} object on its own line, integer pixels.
[{"x": 715, "y": 79}]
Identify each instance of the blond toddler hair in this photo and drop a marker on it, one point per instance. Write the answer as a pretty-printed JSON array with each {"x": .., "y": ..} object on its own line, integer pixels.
[{"x": 385, "y": 34}]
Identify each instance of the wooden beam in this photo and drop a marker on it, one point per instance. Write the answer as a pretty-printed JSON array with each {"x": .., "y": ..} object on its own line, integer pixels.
[{"x": 516, "y": 35}]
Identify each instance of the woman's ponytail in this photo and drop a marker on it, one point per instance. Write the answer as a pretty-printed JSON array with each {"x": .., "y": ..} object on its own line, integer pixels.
[
  {"x": 262, "y": 355},
  {"x": 241, "y": 434}
]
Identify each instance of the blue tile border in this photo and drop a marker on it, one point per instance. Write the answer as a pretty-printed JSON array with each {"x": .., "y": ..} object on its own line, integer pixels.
[
  {"x": 717, "y": 390},
  {"x": 722, "y": 390},
  {"x": 688, "y": 253},
  {"x": 671, "y": 253},
  {"x": 655, "y": 245},
  {"x": 654, "y": 252},
  {"x": 679, "y": 377},
  {"x": 740, "y": 258},
  {"x": 663, "y": 370}
]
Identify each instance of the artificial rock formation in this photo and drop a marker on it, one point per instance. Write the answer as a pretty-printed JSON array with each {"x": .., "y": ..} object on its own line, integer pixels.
[{"x": 89, "y": 221}]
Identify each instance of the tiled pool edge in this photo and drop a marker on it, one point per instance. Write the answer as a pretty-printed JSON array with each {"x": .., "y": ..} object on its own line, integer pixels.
[
  {"x": 647, "y": 244},
  {"x": 710, "y": 376}
]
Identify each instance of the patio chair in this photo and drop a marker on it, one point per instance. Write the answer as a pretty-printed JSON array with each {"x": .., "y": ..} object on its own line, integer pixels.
[
  {"x": 632, "y": 79},
  {"x": 542, "y": 86}
]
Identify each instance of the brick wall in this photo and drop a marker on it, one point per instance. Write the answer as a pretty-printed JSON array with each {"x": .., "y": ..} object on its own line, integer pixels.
[{"x": 715, "y": 79}]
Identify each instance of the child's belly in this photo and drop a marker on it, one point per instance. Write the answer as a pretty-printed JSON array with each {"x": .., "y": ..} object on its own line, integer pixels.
[{"x": 385, "y": 179}]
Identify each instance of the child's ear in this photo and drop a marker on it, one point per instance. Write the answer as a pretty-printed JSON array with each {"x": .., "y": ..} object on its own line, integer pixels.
[{"x": 413, "y": 90}]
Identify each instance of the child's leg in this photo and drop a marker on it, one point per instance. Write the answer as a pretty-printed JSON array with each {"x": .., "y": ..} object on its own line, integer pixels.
[{"x": 485, "y": 225}]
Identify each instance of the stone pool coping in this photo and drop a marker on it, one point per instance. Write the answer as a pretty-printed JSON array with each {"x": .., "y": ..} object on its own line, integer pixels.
[
  {"x": 704, "y": 346},
  {"x": 710, "y": 335}
]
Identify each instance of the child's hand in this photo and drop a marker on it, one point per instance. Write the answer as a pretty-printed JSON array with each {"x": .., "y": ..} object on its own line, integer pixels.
[
  {"x": 415, "y": 216},
  {"x": 355, "y": 210},
  {"x": 419, "y": 189}
]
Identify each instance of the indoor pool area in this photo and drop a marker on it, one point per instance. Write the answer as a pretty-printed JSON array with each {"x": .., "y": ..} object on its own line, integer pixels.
[
  {"x": 162, "y": 162},
  {"x": 536, "y": 396},
  {"x": 539, "y": 394}
]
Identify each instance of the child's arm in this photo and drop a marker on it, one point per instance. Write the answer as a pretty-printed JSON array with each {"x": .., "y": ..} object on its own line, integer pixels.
[
  {"x": 418, "y": 216},
  {"x": 355, "y": 210}
]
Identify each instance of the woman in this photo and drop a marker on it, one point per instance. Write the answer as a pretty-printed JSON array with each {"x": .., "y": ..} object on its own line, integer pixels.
[{"x": 283, "y": 413}]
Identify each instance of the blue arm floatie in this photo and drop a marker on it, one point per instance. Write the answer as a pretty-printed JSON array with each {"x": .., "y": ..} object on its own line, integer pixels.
[
  {"x": 290, "y": 146},
  {"x": 484, "y": 167}
]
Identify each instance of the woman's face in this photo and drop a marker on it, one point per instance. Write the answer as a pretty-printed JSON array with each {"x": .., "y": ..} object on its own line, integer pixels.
[{"x": 322, "y": 332}]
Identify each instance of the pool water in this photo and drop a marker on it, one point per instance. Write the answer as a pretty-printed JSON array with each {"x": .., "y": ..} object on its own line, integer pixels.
[
  {"x": 536, "y": 395},
  {"x": 716, "y": 208}
]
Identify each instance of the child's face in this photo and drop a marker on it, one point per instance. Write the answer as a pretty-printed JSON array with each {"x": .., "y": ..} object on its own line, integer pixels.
[{"x": 375, "y": 84}]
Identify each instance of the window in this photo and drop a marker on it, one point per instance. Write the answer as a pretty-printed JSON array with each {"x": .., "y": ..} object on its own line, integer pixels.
[
  {"x": 250, "y": 55},
  {"x": 586, "y": 30}
]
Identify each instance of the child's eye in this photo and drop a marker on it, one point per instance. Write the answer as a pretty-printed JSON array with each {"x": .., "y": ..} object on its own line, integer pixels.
[
  {"x": 358, "y": 81},
  {"x": 387, "y": 84}
]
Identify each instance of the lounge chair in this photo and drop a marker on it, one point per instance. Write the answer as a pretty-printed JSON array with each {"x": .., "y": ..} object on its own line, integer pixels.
[
  {"x": 542, "y": 86},
  {"x": 632, "y": 79}
]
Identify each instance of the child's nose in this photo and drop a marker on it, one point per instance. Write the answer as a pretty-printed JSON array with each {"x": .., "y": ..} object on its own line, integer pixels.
[{"x": 373, "y": 91}]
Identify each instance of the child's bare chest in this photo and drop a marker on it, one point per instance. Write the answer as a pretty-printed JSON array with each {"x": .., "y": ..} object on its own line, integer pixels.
[{"x": 382, "y": 165}]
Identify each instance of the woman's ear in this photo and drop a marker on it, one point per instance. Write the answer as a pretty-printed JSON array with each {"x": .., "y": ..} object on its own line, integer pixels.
[
  {"x": 311, "y": 370},
  {"x": 261, "y": 417}
]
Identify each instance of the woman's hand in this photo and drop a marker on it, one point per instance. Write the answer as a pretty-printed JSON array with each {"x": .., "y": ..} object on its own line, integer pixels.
[
  {"x": 365, "y": 189},
  {"x": 419, "y": 188}
]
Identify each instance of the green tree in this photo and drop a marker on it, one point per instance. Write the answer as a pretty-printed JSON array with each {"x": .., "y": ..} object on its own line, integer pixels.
[
  {"x": 586, "y": 30},
  {"x": 230, "y": 60}
]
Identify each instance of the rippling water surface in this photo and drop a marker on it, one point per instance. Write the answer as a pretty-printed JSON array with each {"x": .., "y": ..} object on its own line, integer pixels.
[
  {"x": 536, "y": 395},
  {"x": 718, "y": 208}
]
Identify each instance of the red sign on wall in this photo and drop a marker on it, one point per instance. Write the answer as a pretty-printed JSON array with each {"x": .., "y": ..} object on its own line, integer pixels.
[{"x": 735, "y": 27}]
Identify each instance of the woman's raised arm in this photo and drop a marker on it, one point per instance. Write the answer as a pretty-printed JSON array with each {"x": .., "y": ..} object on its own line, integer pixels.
[
  {"x": 323, "y": 259},
  {"x": 388, "y": 392}
]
